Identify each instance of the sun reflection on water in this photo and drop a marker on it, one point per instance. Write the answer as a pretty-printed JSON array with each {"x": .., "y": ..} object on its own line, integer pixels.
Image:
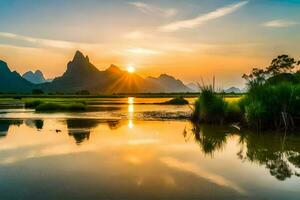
[
  {"x": 130, "y": 100},
  {"x": 130, "y": 123},
  {"x": 130, "y": 112}
]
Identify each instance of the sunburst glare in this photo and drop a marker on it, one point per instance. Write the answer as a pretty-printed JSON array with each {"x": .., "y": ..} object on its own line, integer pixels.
[{"x": 130, "y": 69}]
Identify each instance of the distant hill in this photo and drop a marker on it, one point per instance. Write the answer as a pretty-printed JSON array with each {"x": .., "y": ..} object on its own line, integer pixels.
[
  {"x": 81, "y": 74},
  {"x": 12, "y": 82},
  {"x": 233, "y": 90},
  {"x": 194, "y": 87},
  {"x": 166, "y": 83},
  {"x": 36, "y": 77}
]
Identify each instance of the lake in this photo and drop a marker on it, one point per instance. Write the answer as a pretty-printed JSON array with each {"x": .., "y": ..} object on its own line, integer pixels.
[{"x": 130, "y": 148}]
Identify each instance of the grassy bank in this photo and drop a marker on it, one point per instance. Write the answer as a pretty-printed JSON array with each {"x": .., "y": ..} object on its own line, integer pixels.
[
  {"x": 47, "y": 107},
  {"x": 213, "y": 108},
  {"x": 272, "y": 101},
  {"x": 42, "y": 106}
]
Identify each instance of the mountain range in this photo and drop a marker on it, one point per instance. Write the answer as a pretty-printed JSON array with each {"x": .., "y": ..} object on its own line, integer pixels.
[
  {"x": 233, "y": 90},
  {"x": 81, "y": 74},
  {"x": 11, "y": 82},
  {"x": 36, "y": 77}
]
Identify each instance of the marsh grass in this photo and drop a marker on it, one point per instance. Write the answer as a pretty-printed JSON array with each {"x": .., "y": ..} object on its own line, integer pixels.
[
  {"x": 51, "y": 107},
  {"x": 33, "y": 104},
  {"x": 234, "y": 112},
  {"x": 210, "y": 107},
  {"x": 271, "y": 106}
]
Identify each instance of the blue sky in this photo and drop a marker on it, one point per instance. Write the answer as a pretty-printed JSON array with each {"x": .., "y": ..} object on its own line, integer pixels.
[{"x": 224, "y": 38}]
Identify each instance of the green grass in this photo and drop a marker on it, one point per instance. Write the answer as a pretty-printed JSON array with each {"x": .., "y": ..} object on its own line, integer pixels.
[
  {"x": 50, "y": 107},
  {"x": 210, "y": 107},
  {"x": 33, "y": 104},
  {"x": 264, "y": 105},
  {"x": 233, "y": 112},
  {"x": 55, "y": 105}
]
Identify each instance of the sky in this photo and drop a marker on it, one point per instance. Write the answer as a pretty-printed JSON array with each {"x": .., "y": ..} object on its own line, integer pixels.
[{"x": 189, "y": 39}]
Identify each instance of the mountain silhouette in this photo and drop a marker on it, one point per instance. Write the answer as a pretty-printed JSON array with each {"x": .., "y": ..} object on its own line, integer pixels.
[
  {"x": 12, "y": 82},
  {"x": 167, "y": 83},
  {"x": 194, "y": 87},
  {"x": 36, "y": 77},
  {"x": 233, "y": 90},
  {"x": 81, "y": 75}
]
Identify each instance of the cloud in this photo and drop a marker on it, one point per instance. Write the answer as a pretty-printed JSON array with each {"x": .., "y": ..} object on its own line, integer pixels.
[
  {"x": 201, "y": 173},
  {"x": 279, "y": 23},
  {"x": 150, "y": 9},
  {"x": 39, "y": 41},
  {"x": 201, "y": 19},
  {"x": 135, "y": 35},
  {"x": 143, "y": 51}
]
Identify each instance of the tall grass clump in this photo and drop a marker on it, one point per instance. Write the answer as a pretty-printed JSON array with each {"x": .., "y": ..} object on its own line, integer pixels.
[
  {"x": 272, "y": 106},
  {"x": 209, "y": 107},
  {"x": 273, "y": 98},
  {"x": 233, "y": 112},
  {"x": 33, "y": 104}
]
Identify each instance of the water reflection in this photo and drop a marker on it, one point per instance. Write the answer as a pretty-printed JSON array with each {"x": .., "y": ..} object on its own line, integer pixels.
[
  {"x": 114, "y": 124},
  {"x": 130, "y": 112},
  {"x": 209, "y": 138},
  {"x": 157, "y": 161},
  {"x": 279, "y": 153},
  {"x": 37, "y": 123},
  {"x": 5, "y": 124},
  {"x": 80, "y": 129},
  {"x": 80, "y": 135}
]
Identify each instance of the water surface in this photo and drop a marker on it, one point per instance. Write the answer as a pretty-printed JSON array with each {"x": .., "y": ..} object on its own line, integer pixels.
[{"x": 117, "y": 154}]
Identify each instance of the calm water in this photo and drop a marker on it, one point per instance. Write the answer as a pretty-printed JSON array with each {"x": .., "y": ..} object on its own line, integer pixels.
[{"x": 130, "y": 151}]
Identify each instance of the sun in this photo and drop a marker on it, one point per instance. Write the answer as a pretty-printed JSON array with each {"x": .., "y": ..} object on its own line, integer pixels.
[{"x": 131, "y": 69}]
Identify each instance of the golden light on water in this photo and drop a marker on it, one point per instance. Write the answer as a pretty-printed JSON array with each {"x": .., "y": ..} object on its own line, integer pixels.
[
  {"x": 130, "y": 109},
  {"x": 130, "y": 124},
  {"x": 130, "y": 102}
]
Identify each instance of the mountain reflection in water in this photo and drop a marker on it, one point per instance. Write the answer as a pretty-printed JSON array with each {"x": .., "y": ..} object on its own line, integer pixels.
[{"x": 80, "y": 158}]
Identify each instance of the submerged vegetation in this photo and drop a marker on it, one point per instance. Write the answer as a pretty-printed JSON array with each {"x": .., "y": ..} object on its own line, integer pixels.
[
  {"x": 177, "y": 101},
  {"x": 33, "y": 104},
  {"x": 272, "y": 101},
  {"x": 40, "y": 106},
  {"x": 61, "y": 107}
]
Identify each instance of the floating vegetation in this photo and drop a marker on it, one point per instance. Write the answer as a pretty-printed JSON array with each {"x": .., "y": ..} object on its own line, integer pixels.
[
  {"x": 176, "y": 101},
  {"x": 48, "y": 107}
]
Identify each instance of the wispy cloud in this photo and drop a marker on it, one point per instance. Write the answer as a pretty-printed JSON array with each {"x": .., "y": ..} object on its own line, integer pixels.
[
  {"x": 143, "y": 51},
  {"x": 201, "y": 19},
  {"x": 201, "y": 173},
  {"x": 151, "y": 9},
  {"x": 40, "y": 41},
  {"x": 279, "y": 23},
  {"x": 135, "y": 35}
]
